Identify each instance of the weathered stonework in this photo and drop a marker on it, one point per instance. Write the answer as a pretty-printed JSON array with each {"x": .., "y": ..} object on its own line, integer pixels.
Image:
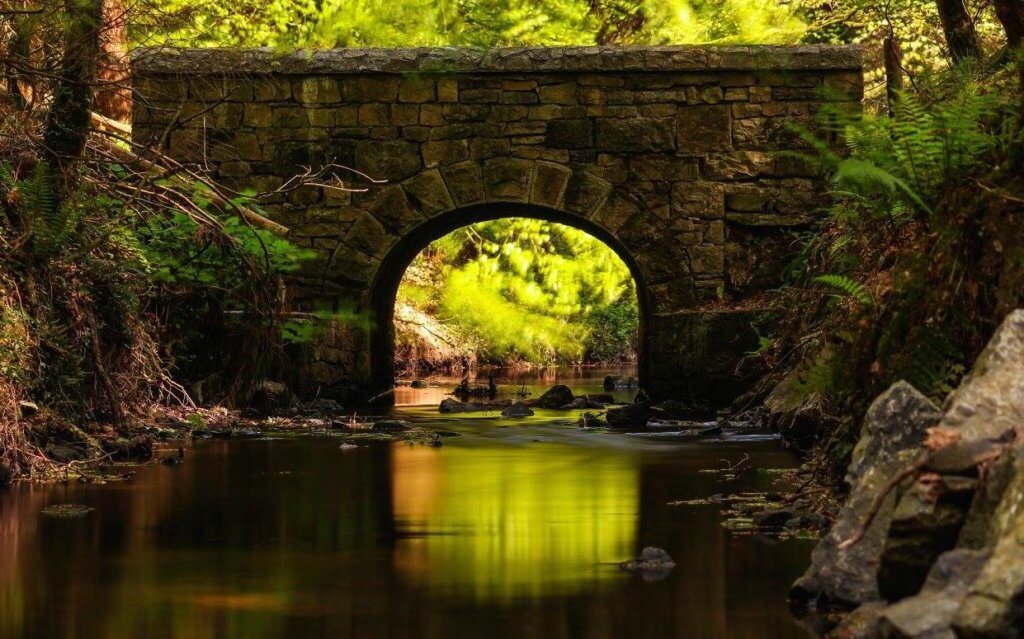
[{"x": 679, "y": 157}]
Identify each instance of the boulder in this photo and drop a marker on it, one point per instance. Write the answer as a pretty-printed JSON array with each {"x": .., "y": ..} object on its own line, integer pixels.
[
  {"x": 924, "y": 524},
  {"x": 419, "y": 383},
  {"x": 990, "y": 400},
  {"x": 582, "y": 403},
  {"x": 675, "y": 409},
  {"x": 994, "y": 605},
  {"x": 449, "y": 405},
  {"x": 64, "y": 453},
  {"x": 773, "y": 518},
  {"x": 653, "y": 563},
  {"x": 629, "y": 416},
  {"x": 389, "y": 426},
  {"x": 862, "y": 623},
  {"x": 796, "y": 410},
  {"x": 518, "y": 409},
  {"x": 619, "y": 382},
  {"x": 324, "y": 406},
  {"x": 590, "y": 420},
  {"x": 271, "y": 396},
  {"x": 894, "y": 427},
  {"x": 928, "y": 615},
  {"x": 555, "y": 397},
  {"x": 135, "y": 449}
]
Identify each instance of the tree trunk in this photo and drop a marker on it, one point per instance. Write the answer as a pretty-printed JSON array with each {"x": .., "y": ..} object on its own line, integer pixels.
[
  {"x": 1011, "y": 16},
  {"x": 893, "y": 70},
  {"x": 113, "y": 94},
  {"x": 961, "y": 38},
  {"x": 67, "y": 121}
]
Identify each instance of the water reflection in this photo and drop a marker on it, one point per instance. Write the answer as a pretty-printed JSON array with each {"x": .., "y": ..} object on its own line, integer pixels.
[
  {"x": 513, "y": 522},
  {"x": 502, "y": 533}
]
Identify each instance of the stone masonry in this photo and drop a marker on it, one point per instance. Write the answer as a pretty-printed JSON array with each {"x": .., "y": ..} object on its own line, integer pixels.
[{"x": 680, "y": 158}]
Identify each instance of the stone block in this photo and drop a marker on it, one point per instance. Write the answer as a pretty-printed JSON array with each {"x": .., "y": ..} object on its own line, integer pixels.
[
  {"x": 564, "y": 93},
  {"x": 698, "y": 199},
  {"x": 417, "y": 89},
  {"x": 570, "y": 134},
  {"x": 700, "y": 129},
  {"x": 585, "y": 192},
  {"x": 439, "y": 152},
  {"x": 465, "y": 183},
  {"x": 428, "y": 193},
  {"x": 636, "y": 135},
  {"x": 317, "y": 90},
  {"x": 549, "y": 184},
  {"x": 370, "y": 88}
]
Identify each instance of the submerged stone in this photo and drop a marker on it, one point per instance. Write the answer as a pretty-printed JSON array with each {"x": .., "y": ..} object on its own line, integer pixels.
[{"x": 555, "y": 397}]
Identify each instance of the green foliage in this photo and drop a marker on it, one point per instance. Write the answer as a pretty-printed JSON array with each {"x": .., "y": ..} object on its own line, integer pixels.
[
  {"x": 900, "y": 167},
  {"x": 483, "y": 23},
  {"x": 847, "y": 285},
  {"x": 528, "y": 290}
]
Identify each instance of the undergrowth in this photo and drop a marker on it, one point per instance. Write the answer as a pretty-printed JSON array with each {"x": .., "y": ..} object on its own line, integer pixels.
[{"x": 920, "y": 257}]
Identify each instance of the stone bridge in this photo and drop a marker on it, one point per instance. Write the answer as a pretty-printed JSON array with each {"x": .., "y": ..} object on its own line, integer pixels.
[{"x": 681, "y": 159}]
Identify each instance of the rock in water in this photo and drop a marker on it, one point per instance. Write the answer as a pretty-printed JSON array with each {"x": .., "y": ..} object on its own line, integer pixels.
[
  {"x": 555, "y": 397},
  {"x": 614, "y": 382},
  {"x": 419, "y": 383},
  {"x": 893, "y": 431},
  {"x": 271, "y": 396},
  {"x": 629, "y": 416},
  {"x": 449, "y": 405},
  {"x": 518, "y": 409},
  {"x": 653, "y": 563},
  {"x": 389, "y": 426},
  {"x": 67, "y": 511}
]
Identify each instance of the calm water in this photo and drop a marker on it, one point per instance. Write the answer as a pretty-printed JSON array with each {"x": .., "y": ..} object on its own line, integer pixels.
[{"x": 508, "y": 531}]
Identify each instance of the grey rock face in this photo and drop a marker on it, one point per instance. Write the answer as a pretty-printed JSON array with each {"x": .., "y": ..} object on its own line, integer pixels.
[
  {"x": 989, "y": 403},
  {"x": 895, "y": 425}
]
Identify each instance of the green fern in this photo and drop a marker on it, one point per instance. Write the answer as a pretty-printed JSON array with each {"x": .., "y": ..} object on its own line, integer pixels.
[{"x": 848, "y": 286}]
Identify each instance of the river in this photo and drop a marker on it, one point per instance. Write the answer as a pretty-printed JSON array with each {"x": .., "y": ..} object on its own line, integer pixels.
[{"x": 510, "y": 530}]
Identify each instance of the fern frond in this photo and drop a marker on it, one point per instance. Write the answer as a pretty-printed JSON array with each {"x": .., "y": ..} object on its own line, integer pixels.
[{"x": 847, "y": 285}]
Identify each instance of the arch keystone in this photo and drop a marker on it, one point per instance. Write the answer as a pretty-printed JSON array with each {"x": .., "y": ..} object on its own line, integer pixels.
[{"x": 508, "y": 179}]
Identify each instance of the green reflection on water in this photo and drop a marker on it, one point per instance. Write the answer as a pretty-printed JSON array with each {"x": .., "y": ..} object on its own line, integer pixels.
[{"x": 513, "y": 522}]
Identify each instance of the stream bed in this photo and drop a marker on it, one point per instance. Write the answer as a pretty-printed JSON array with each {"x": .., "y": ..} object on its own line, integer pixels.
[{"x": 513, "y": 528}]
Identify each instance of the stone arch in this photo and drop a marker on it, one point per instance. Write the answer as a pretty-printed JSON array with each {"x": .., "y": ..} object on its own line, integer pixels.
[{"x": 384, "y": 286}]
